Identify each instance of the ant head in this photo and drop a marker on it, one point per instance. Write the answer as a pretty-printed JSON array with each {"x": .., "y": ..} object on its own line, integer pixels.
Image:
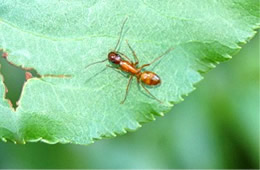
[{"x": 114, "y": 57}]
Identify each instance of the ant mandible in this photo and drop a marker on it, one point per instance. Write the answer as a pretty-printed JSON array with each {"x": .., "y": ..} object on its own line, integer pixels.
[{"x": 145, "y": 77}]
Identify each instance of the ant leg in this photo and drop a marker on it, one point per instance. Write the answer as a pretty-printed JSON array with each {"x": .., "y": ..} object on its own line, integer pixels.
[
  {"x": 114, "y": 68},
  {"x": 136, "y": 58},
  {"x": 150, "y": 93},
  {"x": 166, "y": 52},
  {"x": 127, "y": 87},
  {"x": 145, "y": 65}
]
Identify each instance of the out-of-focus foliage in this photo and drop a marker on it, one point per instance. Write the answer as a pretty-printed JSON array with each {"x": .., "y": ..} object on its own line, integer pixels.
[
  {"x": 216, "y": 127},
  {"x": 60, "y": 38}
]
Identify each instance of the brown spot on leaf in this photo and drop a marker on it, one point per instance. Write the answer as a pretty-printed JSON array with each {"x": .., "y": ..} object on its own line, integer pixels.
[
  {"x": 4, "y": 55},
  {"x": 28, "y": 75}
]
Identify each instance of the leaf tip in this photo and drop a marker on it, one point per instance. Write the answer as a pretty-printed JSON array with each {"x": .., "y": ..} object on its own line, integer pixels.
[
  {"x": 161, "y": 113},
  {"x": 113, "y": 134},
  {"x": 4, "y": 139},
  {"x": 124, "y": 131}
]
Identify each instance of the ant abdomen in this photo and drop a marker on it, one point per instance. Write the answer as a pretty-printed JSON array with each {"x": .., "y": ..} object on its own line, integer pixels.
[{"x": 150, "y": 78}]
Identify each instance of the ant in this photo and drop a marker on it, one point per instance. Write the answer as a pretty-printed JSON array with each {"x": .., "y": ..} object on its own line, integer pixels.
[{"x": 145, "y": 77}]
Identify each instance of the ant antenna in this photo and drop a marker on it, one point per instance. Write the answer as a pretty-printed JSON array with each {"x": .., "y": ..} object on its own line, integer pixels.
[
  {"x": 121, "y": 31},
  {"x": 120, "y": 34},
  {"x": 96, "y": 63}
]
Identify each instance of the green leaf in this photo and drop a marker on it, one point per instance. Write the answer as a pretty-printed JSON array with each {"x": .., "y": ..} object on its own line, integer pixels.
[{"x": 61, "y": 38}]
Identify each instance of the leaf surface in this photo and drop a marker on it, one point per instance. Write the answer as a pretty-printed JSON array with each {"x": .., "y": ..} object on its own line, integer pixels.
[{"x": 61, "y": 38}]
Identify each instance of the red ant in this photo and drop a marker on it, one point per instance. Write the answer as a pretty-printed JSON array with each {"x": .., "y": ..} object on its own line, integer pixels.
[{"x": 146, "y": 77}]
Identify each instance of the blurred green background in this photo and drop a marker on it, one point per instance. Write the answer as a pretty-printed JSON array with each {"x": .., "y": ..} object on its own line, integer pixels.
[{"x": 217, "y": 126}]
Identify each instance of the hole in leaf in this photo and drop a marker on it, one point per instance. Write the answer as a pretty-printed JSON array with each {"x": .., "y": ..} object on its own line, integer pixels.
[{"x": 14, "y": 78}]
